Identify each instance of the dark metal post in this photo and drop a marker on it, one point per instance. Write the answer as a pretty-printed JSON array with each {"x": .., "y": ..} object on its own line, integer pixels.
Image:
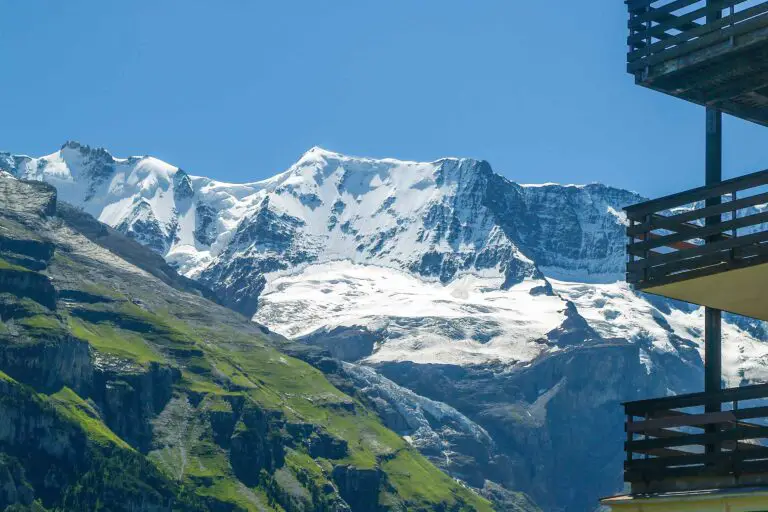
[
  {"x": 712, "y": 331},
  {"x": 713, "y": 317}
]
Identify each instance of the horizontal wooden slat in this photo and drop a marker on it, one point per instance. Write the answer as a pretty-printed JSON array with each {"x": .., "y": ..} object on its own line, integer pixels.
[
  {"x": 658, "y": 221},
  {"x": 696, "y": 459},
  {"x": 671, "y": 7},
  {"x": 700, "y": 250},
  {"x": 740, "y": 394},
  {"x": 680, "y": 246},
  {"x": 750, "y": 23},
  {"x": 705, "y": 231},
  {"x": 638, "y": 211},
  {"x": 690, "y": 420},
  {"x": 664, "y": 452},
  {"x": 663, "y": 433},
  {"x": 723, "y": 468},
  {"x": 738, "y": 433},
  {"x": 636, "y": 5},
  {"x": 684, "y": 23},
  {"x": 700, "y": 266}
]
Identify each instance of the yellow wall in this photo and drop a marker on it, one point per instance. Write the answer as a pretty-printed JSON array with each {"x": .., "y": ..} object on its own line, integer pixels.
[{"x": 746, "y": 502}]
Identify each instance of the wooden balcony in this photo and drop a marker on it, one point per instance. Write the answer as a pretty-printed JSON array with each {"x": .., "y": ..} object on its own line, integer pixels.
[
  {"x": 698, "y": 441},
  {"x": 712, "y": 53},
  {"x": 707, "y": 246}
]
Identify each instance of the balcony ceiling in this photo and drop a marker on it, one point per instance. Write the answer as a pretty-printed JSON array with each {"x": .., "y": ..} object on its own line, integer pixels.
[{"x": 742, "y": 291}]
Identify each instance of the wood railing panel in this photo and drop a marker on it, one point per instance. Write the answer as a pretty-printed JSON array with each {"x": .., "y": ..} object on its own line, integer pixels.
[
  {"x": 668, "y": 245},
  {"x": 673, "y": 439},
  {"x": 661, "y": 31}
]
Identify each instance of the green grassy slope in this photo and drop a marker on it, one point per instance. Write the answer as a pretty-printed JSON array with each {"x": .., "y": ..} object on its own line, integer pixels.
[{"x": 189, "y": 400}]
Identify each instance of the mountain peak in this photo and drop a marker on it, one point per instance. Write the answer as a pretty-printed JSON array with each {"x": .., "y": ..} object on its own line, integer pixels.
[
  {"x": 71, "y": 144},
  {"x": 320, "y": 150},
  {"x": 83, "y": 149},
  {"x": 316, "y": 153}
]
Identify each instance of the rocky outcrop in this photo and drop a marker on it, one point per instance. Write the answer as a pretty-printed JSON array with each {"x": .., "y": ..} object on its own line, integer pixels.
[
  {"x": 28, "y": 284},
  {"x": 449, "y": 439},
  {"x": 182, "y": 186},
  {"x": 345, "y": 343},
  {"x": 14, "y": 488},
  {"x": 128, "y": 401},
  {"x": 256, "y": 445},
  {"x": 129, "y": 250},
  {"x": 357, "y": 487},
  {"x": 49, "y": 364},
  {"x": 33, "y": 250},
  {"x": 47, "y": 456},
  {"x": 273, "y": 242},
  {"x": 20, "y": 197}
]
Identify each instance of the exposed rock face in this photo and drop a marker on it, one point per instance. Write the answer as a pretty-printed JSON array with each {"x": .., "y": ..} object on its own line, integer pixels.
[
  {"x": 143, "y": 226},
  {"x": 354, "y": 484},
  {"x": 256, "y": 445},
  {"x": 347, "y": 344},
  {"x": 448, "y": 438},
  {"x": 128, "y": 401},
  {"x": 50, "y": 364},
  {"x": 34, "y": 197},
  {"x": 14, "y": 488},
  {"x": 28, "y": 284},
  {"x": 32, "y": 430},
  {"x": 541, "y": 416},
  {"x": 272, "y": 242}
]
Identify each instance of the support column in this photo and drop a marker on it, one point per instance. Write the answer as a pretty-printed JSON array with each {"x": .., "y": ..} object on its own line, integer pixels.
[
  {"x": 714, "y": 174},
  {"x": 712, "y": 317}
]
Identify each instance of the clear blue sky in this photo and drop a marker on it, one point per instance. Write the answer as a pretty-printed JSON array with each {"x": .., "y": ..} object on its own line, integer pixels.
[{"x": 239, "y": 89}]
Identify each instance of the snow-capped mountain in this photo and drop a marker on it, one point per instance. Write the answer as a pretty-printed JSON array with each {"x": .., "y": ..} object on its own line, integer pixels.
[
  {"x": 449, "y": 227},
  {"x": 500, "y": 306}
]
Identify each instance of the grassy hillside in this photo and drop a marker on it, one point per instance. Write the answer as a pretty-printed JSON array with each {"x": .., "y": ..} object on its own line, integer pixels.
[{"x": 154, "y": 398}]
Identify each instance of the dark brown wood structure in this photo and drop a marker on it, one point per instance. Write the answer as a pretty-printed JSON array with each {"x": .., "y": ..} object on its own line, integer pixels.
[
  {"x": 711, "y": 53},
  {"x": 707, "y": 246},
  {"x": 673, "y": 444},
  {"x": 723, "y": 265}
]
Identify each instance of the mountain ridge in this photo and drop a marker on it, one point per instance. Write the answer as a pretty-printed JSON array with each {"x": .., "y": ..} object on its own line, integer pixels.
[{"x": 192, "y": 240}]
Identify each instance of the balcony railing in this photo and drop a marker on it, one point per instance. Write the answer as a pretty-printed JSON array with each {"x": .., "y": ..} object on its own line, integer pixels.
[
  {"x": 689, "y": 441},
  {"x": 707, "y": 52},
  {"x": 664, "y": 29},
  {"x": 699, "y": 232}
]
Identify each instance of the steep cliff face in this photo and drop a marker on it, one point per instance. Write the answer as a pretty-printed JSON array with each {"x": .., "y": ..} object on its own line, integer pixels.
[
  {"x": 542, "y": 418},
  {"x": 126, "y": 389}
]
